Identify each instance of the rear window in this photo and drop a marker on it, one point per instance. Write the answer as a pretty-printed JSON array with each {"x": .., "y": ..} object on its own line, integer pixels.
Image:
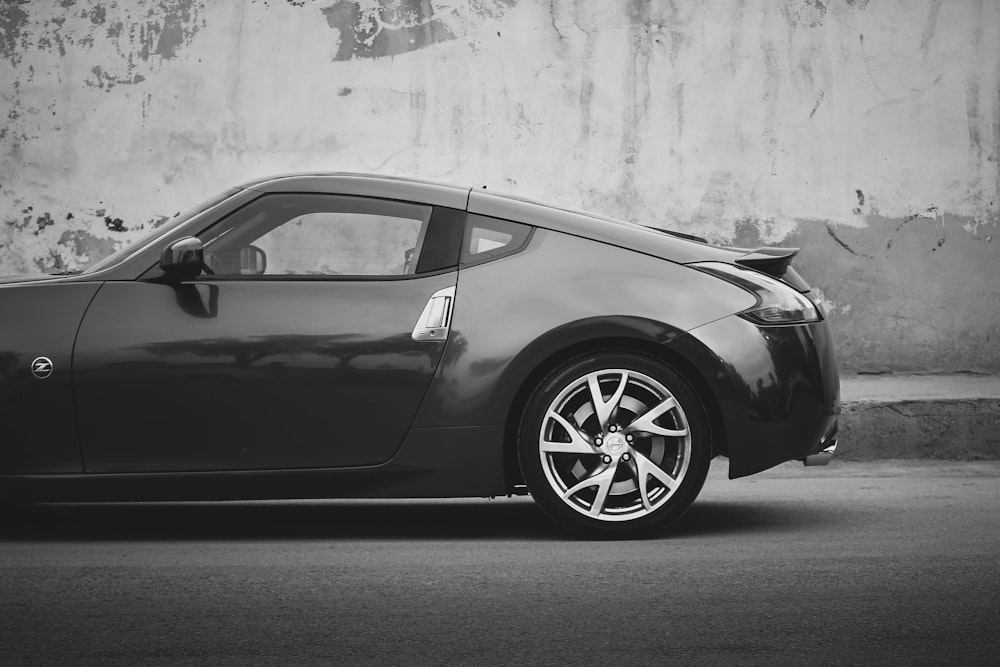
[{"x": 491, "y": 238}]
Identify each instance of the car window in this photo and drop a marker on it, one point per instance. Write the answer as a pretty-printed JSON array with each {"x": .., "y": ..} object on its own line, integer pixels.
[
  {"x": 490, "y": 238},
  {"x": 332, "y": 243},
  {"x": 318, "y": 235}
]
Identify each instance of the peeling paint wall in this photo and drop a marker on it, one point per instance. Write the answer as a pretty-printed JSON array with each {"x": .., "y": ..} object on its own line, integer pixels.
[{"x": 865, "y": 132}]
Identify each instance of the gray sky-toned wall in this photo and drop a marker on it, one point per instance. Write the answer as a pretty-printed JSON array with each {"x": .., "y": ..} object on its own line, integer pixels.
[{"x": 866, "y": 132}]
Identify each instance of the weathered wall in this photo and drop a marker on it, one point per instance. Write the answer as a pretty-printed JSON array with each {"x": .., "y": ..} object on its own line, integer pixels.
[{"x": 866, "y": 132}]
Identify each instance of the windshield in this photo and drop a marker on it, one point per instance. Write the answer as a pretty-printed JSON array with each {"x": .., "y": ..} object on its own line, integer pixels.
[{"x": 160, "y": 231}]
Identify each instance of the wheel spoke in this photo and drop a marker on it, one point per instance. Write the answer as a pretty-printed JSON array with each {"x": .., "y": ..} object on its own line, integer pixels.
[
  {"x": 602, "y": 480},
  {"x": 644, "y": 423},
  {"x": 604, "y": 408},
  {"x": 644, "y": 469},
  {"x": 577, "y": 444}
]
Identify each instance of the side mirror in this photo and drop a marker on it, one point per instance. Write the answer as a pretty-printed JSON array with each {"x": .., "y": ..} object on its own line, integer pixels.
[
  {"x": 184, "y": 258},
  {"x": 253, "y": 261}
]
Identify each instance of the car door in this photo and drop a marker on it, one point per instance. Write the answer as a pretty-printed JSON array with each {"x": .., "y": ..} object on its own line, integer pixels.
[{"x": 299, "y": 346}]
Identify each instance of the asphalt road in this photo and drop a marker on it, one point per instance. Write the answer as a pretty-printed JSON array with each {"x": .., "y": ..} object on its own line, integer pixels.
[{"x": 853, "y": 563}]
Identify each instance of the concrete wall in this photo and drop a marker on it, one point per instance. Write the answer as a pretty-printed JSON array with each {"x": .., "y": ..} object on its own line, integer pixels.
[{"x": 865, "y": 132}]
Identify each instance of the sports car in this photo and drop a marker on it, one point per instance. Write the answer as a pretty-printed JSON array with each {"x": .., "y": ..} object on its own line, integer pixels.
[{"x": 347, "y": 335}]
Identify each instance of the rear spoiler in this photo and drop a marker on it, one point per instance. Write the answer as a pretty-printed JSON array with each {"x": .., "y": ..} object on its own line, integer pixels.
[{"x": 773, "y": 261}]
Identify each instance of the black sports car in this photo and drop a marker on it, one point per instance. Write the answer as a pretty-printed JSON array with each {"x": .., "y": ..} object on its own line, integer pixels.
[{"x": 342, "y": 335}]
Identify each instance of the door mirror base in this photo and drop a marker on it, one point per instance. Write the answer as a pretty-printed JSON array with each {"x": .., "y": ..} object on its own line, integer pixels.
[{"x": 184, "y": 258}]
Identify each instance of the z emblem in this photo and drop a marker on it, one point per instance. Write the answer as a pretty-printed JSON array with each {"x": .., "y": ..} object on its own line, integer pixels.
[{"x": 41, "y": 367}]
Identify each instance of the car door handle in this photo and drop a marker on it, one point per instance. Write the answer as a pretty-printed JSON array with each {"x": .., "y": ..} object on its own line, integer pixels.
[{"x": 435, "y": 321}]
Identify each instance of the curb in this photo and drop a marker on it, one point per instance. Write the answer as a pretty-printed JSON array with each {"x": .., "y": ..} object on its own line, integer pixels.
[{"x": 944, "y": 417}]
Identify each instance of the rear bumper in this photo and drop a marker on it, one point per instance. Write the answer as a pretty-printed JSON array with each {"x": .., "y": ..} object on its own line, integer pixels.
[{"x": 777, "y": 390}]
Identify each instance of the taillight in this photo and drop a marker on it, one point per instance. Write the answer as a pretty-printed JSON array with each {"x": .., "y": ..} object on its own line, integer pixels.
[{"x": 777, "y": 303}]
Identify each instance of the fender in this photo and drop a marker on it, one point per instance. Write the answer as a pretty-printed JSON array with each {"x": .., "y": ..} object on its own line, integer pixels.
[
  {"x": 38, "y": 416},
  {"x": 503, "y": 327}
]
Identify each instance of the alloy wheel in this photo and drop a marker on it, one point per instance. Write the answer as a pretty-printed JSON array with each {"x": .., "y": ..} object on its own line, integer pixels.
[{"x": 615, "y": 445}]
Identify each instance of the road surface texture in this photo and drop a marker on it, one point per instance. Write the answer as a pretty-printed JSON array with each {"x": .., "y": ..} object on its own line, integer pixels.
[{"x": 875, "y": 563}]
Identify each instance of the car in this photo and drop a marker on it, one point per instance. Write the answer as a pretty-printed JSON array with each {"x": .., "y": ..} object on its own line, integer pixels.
[{"x": 361, "y": 336}]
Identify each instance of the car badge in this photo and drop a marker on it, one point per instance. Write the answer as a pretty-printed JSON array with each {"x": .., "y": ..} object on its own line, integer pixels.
[{"x": 41, "y": 367}]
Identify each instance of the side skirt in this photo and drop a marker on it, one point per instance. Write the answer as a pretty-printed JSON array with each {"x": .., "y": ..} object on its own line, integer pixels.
[{"x": 432, "y": 463}]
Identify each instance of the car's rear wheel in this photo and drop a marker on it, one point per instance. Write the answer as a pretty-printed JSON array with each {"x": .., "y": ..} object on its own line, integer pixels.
[{"x": 614, "y": 444}]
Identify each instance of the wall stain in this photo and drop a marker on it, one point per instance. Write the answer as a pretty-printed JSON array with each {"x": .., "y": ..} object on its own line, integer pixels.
[
  {"x": 115, "y": 224},
  {"x": 85, "y": 246},
  {"x": 418, "y": 114},
  {"x": 972, "y": 104},
  {"x": 636, "y": 103},
  {"x": 995, "y": 158},
  {"x": 57, "y": 35},
  {"x": 816, "y": 106},
  {"x": 65, "y": 34},
  {"x": 929, "y": 213},
  {"x": 165, "y": 26},
  {"x": 868, "y": 67},
  {"x": 51, "y": 263},
  {"x": 750, "y": 233},
  {"x": 178, "y": 26},
  {"x": 586, "y": 88},
  {"x": 105, "y": 81},
  {"x": 12, "y": 21},
  {"x": 387, "y": 28},
  {"x": 907, "y": 220},
  {"x": 931, "y": 23},
  {"x": 98, "y": 14},
  {"x": 486, "y": 9},
  {"x": 772, "y": 84},
  {"x": 736, "y": 36},
  {"x": 24, "y": 221},
  {"x": 804, "y": 13},
  {"x": 679, "y": 101},
  {"x": 552, "y": 21},
  {"x": 392, "y": 28},
  {"x": 675, "y": 27},
  {"x": 43, "y": 221},
  {"x": 833, "y": 235}
]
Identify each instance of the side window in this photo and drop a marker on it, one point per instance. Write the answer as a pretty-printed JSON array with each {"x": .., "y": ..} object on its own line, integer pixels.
[
  {"x": 491, "y": 238},
  {"x": 318, "y": 235}
]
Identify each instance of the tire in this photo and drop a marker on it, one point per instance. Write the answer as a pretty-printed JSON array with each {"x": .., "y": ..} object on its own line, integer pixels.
[{"x": 624, "y": 464}]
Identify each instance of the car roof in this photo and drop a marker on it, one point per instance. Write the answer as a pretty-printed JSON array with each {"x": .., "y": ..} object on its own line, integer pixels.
[
  {"x": 593, "y": 226},
  {"x": 366, "y": 185},
  {"x": 629, "y": 235}
]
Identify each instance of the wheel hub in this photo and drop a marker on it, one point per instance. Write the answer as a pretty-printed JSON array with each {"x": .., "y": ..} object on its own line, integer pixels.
[{"x": 614, "y": 444}]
